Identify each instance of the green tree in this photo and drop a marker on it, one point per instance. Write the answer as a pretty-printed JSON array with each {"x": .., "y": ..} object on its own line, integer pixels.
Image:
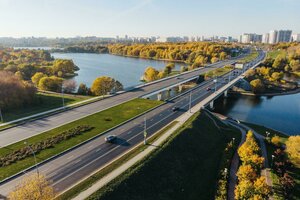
[{"x": 83, "y": 89}]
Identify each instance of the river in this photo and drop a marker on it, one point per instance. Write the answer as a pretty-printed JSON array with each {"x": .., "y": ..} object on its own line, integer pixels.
[
  {"x": 279, "y": 112},
  {"x": 124, "y": 69}
]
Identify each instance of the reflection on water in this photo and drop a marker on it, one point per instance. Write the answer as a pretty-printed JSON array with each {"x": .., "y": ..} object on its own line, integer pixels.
[
  {"x": 279, "y": 112},
  {"x": 127, "y": 70}
]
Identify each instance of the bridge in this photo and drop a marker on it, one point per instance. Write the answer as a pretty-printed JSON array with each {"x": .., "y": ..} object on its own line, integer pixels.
[{"x": 68, "y": 168}]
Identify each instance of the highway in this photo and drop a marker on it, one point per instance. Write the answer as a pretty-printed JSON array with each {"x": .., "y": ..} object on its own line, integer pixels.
[
  {"x": 68, "y": 169},
  {"x": 31, "y": 128}
]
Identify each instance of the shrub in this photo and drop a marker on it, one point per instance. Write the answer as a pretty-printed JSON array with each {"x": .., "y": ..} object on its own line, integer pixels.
[{"x": 25, "y": 152}]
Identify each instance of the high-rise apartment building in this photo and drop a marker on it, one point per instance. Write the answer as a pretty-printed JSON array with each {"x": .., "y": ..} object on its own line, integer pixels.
[
  {"x": 273, "y": 37},
  {"x": 265, "y": 38},
  {"x": 296, "y": 37},
  {"x": 284, "y": 36}
]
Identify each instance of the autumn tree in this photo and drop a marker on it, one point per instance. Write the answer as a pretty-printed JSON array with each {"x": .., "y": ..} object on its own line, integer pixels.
[
  {"x": 51, "y": 83},
  {"x": 150, "y": 74},
  {"x": 69, "y": 86},
  {"x": 275, "y": 140},
  {"x": 104, "y": 84},
  {"x": 63, "y": 68},
  {"x": 37, "y": 77},
  {"x": 257, "y": 86},
  {"x": 33, "y": 187},
  {"x": 293, "y": 149},
  {"x": 279, "y": 62},
  {"x": 14, "y": 92}
]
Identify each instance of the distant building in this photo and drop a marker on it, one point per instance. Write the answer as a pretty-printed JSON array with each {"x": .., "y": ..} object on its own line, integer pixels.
[
  {"x": 296, "y": 37},
  {"x": 273, "y": 37},
  {"x": 284, "y": 36},
  {"x": 250, "y": 38},
  {"x": 265, "y": 38}
]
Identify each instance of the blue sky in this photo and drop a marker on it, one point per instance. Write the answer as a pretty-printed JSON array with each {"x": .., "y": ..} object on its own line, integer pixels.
[{"x": 68, "y": 18}]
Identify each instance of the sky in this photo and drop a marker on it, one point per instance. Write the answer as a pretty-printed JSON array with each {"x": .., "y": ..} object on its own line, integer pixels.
[{"x": 109, "y": 18}]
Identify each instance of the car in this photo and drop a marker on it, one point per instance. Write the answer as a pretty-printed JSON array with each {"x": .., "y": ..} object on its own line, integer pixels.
[
  {"x": 226, "y": 79},
  {"x": 110, "y": 138},
  {"x": 177, "y": 77},
  {"x": 208, "y": 89},
  {"x": 175, "y": 108}
]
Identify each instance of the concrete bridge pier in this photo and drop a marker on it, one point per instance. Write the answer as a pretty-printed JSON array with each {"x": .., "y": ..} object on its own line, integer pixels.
[
  {"x": 211, "y": 105},
  {"x": 159, "y": 95},
  {"x": 226, "y": 93},
  {"x": 180, "y": 87}
]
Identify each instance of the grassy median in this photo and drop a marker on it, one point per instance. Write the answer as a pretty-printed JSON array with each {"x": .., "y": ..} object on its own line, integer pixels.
[
  {"x": 100, "y": 122},
  {"x": 43, "y": 102},
  {"x": 185, "y": 167}
]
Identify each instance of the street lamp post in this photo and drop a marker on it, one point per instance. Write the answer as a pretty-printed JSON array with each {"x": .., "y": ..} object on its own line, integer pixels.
[
  {"x": 145, "y": 131},
  {"x": 215, "y": 81},
  {"x": 37, "y": 169},
  {"x": 1, "y": 116},
  {"x": 233, "y": 139},
  {"x": 62, "y": 94},
  {"x": 190, "y": 104},
  {"x": 272, "y": 160}
]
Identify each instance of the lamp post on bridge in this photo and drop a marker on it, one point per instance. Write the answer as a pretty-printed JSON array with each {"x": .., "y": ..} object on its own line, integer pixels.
[{"x": 215, "y": 81}]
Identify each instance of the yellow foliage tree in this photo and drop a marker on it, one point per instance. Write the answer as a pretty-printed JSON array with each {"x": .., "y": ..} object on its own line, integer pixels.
[
  {"x": 34, "y": 187},
  {"x": 150, "y": 74},
  {"x": 104, "y": 84},
  {"x": 275, "y": 140},
  {"x": 293, "y": 149},
  {"x": 261, "y": 188},
  {"x": 246, "y": 172},
  {"x": 37, "y": 77},
  {"x": 244, "y": 190}
]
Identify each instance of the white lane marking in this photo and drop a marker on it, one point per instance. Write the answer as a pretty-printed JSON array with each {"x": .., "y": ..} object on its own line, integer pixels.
[
  {"x": 70, "y": 157},
  {"x": 77, "y": 161},
  {"x": 98, "y": 150},
  {"x": 151, "y": 120},
  {"x": 129, "y": 132}
]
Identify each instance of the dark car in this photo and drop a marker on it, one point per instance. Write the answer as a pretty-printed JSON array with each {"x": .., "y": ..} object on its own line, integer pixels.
[
  {"x": 110, "y": 138},
  {"x": 208, "y": 89},
  {"x": 175, "y": 108}
]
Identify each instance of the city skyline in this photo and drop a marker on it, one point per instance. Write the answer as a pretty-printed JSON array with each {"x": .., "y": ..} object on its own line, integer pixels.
[{"x": 135, "y": 18}]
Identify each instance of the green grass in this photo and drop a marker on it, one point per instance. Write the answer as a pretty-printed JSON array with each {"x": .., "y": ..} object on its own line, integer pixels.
[
  {"x": 249, "y": 57},
  {"x": 118, "y": 114},
  {"x": 44, "y": 102},
  {"x": 294, "y": 171},
  {"x": 184, "y": 167},
  {"x": 275, "y": 53},
  {"x": 106, "y": 170},
  {"x": 217, "y": 72}
]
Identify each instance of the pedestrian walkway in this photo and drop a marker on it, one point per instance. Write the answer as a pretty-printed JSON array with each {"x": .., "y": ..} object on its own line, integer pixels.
[{"x": 234, "y": 165}]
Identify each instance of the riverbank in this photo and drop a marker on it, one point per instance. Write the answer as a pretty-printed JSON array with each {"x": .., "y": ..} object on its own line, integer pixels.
[{"x": 296, "y": 91}]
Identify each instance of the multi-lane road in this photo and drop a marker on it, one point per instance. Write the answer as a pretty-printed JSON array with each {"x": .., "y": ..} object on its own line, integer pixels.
[
  {"x": 35, "y": 127},
  {"x": 79, "y": 163}
]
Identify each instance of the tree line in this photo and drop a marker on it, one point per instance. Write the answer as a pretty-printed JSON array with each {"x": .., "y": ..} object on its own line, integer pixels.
[{"x": 193, "y": 53}]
